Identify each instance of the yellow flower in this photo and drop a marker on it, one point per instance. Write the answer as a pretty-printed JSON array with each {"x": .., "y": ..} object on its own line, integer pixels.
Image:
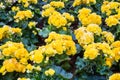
[
  {"x": 49, "y": 50},
  {"x": 23, "y": 15},
  {"x": 2, "y": 70},
  {"x": 109, "y": 37},
  {"x": 105, "y": 48},
  {"x": 23, "y": 61},
  {"x": 76, "y": 3},
  {"x": 64, "y": 28},
  {"x": 16, "y": 30},
  {"x": 29, "y": 67},
  {"x": 46, "y": 6},
  {"x": 109, "y": 61},
  {"x": 38, "y": 68},
  {"x": 86, "y": 17},
  {"x": 33, "y": 1},
  {"x": 59, "y": 49},
  {"x": 10, "y": 65},
  {"x": 83, "y": 36},
  {"x": 26, "y": 4},
  {"x": 65, "y": 43},
  {"x": 32, "y": 24},
  {"x": 57, "y": 20},
  {"x": 116, "y": 44},
  {"x": 68, "y": 16},
  {"x": 21, "y": 53},
  {"x": 94, "y": 28},
  {"x": 94, "y": 19},
  {"x": 79, "y": 2},
  {"x": 49, "y": 72},
  {"x": 57, "y": 4},
  {"x": 115, "y": 76},
  {"x": 20, "y": 68},
  {"x": 91, "y": 53},
  {"x": 116, "y": 52},
  {"x": 23, "y": 79},
  {"x": 70, "y": 47},
  {"x": 111, "y": 21},
  {"x": 107, "y": 7},
  {"x": 47, "y": 12},
  {"x": 15, "y": 8},
  {"x": 36, "y": 56}
]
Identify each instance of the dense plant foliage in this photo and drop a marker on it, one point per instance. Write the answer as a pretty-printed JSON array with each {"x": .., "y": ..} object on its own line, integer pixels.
[{"x": 59, "y": 40}]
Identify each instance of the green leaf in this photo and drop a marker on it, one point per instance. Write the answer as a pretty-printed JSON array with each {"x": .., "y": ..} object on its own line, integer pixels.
[
  {"x": 62, "y": 72},
  {"x": 80, "y": 63},
  {"x": 79, "y": 48},
  {"x": 44, "y": 32}
]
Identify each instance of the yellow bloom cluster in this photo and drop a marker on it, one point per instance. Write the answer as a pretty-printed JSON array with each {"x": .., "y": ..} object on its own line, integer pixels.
[
  {"x": 23, "y": 79},
  {"x": 48, "y": 11},
  {"x": 116, "y": 50},
  {"x": 86, "y": 17},
  {"x": 51, "y": 48},
  {"x": 115, "y": 76},
  {"x": 108, "y": 36},
  {"x": 79, "y": 2},
  {"x": 94, "y": 49},
  {"x": 91, "y": 53},
  {"x": 84, "y": 36},
  {"x": 57, "y": 4},
  {"x": 23, "y": 15},
  {"x": 15, "y": 8},
  {"x": 6, "y": 31},
  {"x": 68, "y": 16},
  {"x": 26, "y": 3},
  {"x": 111, "y": 52},
  {"x": 49, "y": 72},
  {"x": 32, "y": 24},
  {"x": 111, "y": 21},
  {"x": 16, "y": 58},
  {"x": 107, "y": 7},
  {"x": 36, "y": 56},
  {"x": 54, "y": 17},
  {"x": 94, "y": 28},
  {"x": 65, "y": 43},
  {"x": 17, "y": 52},
  {"x": 57, "y": 20}
]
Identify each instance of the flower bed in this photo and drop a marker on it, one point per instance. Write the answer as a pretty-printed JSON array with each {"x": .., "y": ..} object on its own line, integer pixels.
[{"x": 59, "y": 40}]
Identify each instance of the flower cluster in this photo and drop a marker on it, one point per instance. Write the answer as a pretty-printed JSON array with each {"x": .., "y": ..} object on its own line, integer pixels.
[
  {"x": 23, "y": 79},
  {"x": 86, "y": 17},
  {"x": 51, "y": 48},
  {"x": 16, "y": 58},
  {"x": 55, "y": 18},
  {"x": 115, "y": 76},
  {"x": 65, "y": 43},
  {"x": 84, "y": 36},
  {"x": 108, "y": 7},
  {"x": 23, "y": 15},
  {"x": 26, "y": 3},
  {"x": 57, "y": 4},
  {"x": 7, "y": 31},
  {"x": 15, "y": 8},
  {"x": 32, "y": 24},
  {"x": 50, "y": 72},
  {"x": 108, "y": 46},
  {"x": 112, "y": 10},
  {"x": 79, "y": 2}
]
